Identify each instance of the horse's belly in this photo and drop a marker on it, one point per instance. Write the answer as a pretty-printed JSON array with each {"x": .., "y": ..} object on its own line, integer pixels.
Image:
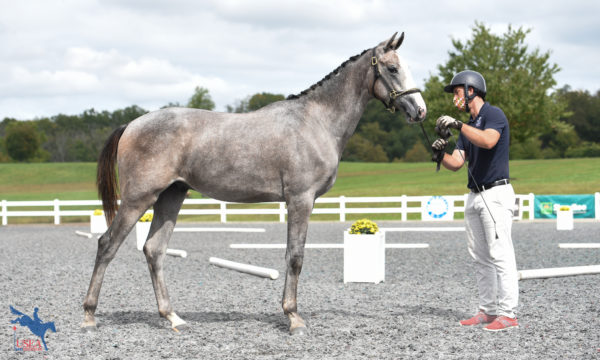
[{"x": 239, "y": 187}]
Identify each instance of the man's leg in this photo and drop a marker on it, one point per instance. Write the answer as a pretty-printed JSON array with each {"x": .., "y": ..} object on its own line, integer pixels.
[
  {"x": 478, "y": 248},
  {"x": 501, "y": 201}
]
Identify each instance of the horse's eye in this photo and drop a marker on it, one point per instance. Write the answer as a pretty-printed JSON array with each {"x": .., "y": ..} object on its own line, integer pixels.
[{"x": 392, "y": 69}]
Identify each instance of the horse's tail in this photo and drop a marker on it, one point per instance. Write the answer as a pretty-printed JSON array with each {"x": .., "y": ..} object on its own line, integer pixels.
[{"x": 106, "y": 177}]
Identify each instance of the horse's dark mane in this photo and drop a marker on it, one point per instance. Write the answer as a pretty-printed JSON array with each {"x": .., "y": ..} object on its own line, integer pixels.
[{"x": 334, "y": 72}]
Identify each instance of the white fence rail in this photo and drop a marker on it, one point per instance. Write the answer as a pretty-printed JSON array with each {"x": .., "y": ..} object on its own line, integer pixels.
[{"x": 402, "y": 205}]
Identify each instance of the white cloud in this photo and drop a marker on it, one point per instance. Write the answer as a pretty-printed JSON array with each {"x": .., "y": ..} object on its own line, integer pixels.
[
  {"x": 90, "y": 59},
  {"x": 24, "y": 82},
  {"x": 76, "y": 54}
]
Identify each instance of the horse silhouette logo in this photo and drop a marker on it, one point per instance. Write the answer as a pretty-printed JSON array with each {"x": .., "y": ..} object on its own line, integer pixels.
[{"x": 35, "y": 325}]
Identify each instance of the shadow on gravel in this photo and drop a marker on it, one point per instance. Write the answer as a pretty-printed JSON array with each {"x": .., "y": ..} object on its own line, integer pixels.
[{"x": 152, "y": 319}]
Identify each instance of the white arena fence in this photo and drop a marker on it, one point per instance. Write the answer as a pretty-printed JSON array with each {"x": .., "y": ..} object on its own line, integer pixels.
[{"x": 341, "y": 206}]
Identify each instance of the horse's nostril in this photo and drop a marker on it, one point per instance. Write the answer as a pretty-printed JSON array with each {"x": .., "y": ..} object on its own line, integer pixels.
[{"x": 422, "y": 112}]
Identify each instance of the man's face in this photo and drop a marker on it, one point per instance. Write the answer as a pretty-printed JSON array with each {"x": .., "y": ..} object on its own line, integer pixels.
[{"x": 459, "y": 98}]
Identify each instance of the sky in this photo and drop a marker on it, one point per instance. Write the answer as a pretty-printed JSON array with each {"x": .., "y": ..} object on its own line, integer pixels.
[{"x": 67, "y": 56}]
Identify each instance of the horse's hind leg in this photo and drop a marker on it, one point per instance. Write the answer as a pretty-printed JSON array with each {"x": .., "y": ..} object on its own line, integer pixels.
[
  {"x": 166, "y": 209},
  {"x": 108, "y": 244}
]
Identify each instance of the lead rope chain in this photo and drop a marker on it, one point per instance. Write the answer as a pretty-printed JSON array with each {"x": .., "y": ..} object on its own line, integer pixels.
[{"x": 478, "y": 189}]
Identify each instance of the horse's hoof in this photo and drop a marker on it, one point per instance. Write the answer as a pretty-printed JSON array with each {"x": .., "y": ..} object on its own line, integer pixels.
[
  {"x": 89, "y": 329},
  {"x": 181, "y": 328},
  {"x": 299, "y": 331}
]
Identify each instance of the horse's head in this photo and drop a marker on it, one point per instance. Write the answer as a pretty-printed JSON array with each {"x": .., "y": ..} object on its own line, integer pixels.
[{"x": 393, "y": 83}]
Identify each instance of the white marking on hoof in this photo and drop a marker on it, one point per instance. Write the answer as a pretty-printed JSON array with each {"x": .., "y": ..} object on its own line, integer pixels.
[
  {"x": 175, "y": 320},
  {"x": 299, "y": 331}
]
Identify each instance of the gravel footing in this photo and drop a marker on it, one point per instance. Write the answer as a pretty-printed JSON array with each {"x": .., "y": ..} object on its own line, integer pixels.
[{"x": 413, "y": 314}]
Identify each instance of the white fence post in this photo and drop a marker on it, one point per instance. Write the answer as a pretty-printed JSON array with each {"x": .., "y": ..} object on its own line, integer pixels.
[
  {"x": 5, "y": 213},
  {"x": 56, "y": 212},
  {"x": 404, "y": 207},
  {"x": 282, "y": 212},
  {"x": 597, "y": 205},
  {"x": 451, "y": 208},
  {"x": 342, "y": 208},
  {"x": 223, "y": 212},
  {"x": 531, "y": 206}
]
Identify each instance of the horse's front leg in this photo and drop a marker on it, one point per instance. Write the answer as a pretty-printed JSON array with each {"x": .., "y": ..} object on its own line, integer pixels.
[{"x": 299, "y": 210}]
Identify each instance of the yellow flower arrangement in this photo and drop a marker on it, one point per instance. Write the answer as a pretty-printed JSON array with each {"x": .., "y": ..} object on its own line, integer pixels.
[
  {"x": 147, "y": 217},
  {"x": 98, "y": 212},
  {"x": 364, "y": 226}
]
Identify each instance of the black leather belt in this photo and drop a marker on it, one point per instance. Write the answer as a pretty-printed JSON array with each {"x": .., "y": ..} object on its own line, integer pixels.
[{"x": 489, "y": 186}]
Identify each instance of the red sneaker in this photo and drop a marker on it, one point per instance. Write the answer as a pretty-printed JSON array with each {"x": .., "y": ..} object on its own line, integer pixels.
[
  {"x": 502, "y": 323},
  {"x": 479, "y": 318}
]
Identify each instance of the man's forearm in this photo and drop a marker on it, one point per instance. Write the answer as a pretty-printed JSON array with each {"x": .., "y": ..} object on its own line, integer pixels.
[
  {"x": 486, "y": 139},
  {"x": 452, "y": 162}
]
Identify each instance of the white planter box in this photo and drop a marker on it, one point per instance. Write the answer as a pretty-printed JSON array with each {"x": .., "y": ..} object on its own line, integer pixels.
[
  {"x": 98, "y": 224},
  {"x": 564, "y": 219},
  {"x": 141, "y": 233},
  {"x": 364, "y": 257}
]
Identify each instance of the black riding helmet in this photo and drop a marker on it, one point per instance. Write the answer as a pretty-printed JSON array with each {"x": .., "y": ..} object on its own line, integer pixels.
[{"x": 468, "y": 78}]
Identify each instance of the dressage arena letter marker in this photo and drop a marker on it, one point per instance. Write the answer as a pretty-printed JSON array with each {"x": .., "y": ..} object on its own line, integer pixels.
[{"x": 245, "y": 268}]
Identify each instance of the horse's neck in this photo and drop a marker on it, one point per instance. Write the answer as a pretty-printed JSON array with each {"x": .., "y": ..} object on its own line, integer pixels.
[{"x": 340, "y": 102}]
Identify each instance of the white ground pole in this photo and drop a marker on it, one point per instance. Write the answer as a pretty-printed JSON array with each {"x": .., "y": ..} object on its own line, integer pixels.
[
  {"x": 341, "y": 246},
  {"x": 245, "y": 268},
  {"x": 211, "y": 229},
  {"x": 175, "y": 252},
  {"x": 557, "y": 272},
  {"x": 84, "y": 234},
  {"x": 183, "y": 253},
  {"x": 423, "y": 229},
  {"x": 322, "y": 246},
  {"x": 579, "y": 245}
]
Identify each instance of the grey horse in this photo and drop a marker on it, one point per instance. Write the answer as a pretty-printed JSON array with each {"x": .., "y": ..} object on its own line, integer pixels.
[{"x": 287, "y": 151}]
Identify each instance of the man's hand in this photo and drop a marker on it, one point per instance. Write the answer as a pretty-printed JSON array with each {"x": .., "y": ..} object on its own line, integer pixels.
[
  {"x": 446, "y": 122},
  {"x": 439, "y": 145},
  {"x": 439, "y": 149}
]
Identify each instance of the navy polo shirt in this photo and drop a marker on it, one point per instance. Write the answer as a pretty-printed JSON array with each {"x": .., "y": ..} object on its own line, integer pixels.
[{"x": 487, "y": 165}]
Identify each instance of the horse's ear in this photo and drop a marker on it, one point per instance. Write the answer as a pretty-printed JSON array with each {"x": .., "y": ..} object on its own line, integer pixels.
[
  {"x": 389, "y": 45},
  {"x": 399, "y": 41}
]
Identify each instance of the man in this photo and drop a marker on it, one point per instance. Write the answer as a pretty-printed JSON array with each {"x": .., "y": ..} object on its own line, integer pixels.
[{"x": 484, "y": 143}]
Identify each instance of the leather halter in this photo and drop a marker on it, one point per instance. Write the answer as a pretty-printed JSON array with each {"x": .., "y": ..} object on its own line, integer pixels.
[{"x": 393, "y": 93}]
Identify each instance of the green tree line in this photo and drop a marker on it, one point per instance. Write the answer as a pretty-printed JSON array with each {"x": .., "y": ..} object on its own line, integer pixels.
[{"x": 545, "y": 122}]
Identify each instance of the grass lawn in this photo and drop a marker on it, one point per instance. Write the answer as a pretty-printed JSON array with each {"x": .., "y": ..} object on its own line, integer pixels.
[{"x": 76, "y": 181}]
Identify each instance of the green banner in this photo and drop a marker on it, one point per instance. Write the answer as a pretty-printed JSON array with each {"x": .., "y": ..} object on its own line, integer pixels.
[{"x": 582, "y": 205}]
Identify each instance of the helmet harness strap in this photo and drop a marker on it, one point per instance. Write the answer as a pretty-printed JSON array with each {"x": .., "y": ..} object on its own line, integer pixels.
[{"x": 469, "y": 97}]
